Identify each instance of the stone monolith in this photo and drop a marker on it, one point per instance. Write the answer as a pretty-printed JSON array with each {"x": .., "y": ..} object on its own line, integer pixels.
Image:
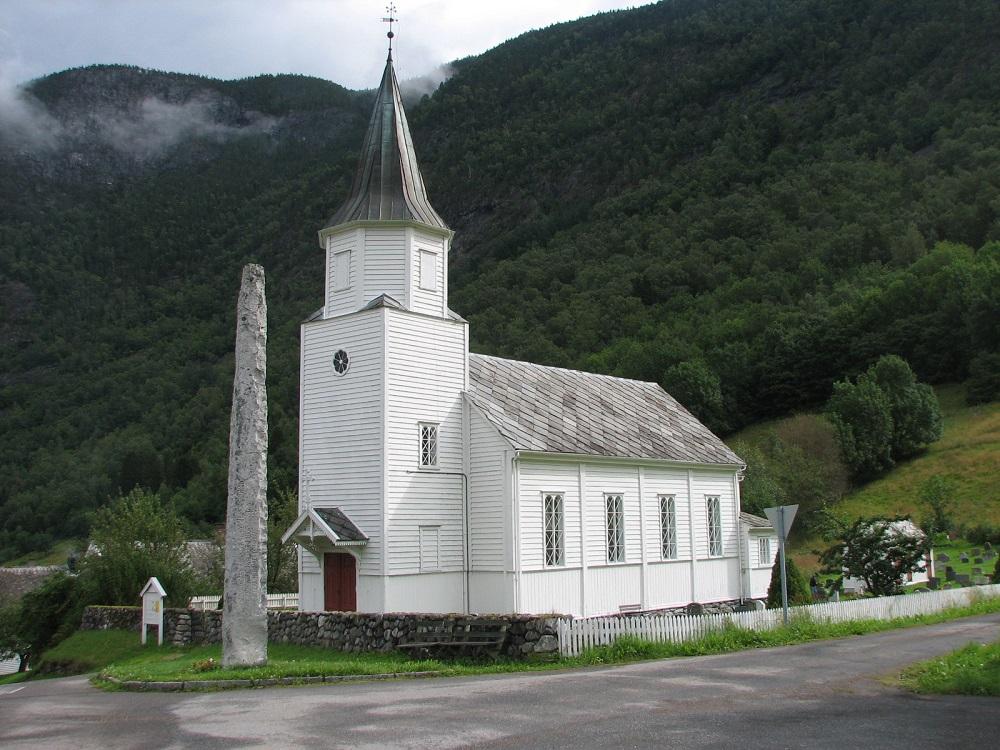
[{"x": 244, "y": 617}]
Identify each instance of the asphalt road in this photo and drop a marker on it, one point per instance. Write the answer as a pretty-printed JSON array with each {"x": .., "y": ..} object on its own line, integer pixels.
[{"x": 828, "y": 694}]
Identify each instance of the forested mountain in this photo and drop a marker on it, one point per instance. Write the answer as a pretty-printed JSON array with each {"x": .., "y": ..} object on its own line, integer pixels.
[{"x": 741, "y": 200}]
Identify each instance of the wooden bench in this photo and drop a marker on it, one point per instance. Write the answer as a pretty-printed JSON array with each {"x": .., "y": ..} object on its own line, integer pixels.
[{"x": 454, "y": 638}]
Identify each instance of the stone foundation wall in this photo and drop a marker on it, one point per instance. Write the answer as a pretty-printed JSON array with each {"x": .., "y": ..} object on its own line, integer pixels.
[{"x": 344, "y": 631}]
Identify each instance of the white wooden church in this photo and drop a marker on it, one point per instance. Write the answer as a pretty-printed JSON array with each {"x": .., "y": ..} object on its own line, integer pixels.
[{"x": 437, "y": 480}]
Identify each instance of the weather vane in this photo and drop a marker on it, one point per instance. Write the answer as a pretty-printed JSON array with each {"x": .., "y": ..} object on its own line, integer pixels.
[{"x": 390, "y": 18}]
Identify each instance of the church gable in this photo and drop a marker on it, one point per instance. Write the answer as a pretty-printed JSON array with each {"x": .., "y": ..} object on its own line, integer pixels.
[{"x": 553, "y": 410}]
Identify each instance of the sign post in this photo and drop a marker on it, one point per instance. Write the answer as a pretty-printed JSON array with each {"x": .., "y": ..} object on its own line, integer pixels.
[
  {"x": 781, "y": 518},
  {"x": 152, "y": 609}
]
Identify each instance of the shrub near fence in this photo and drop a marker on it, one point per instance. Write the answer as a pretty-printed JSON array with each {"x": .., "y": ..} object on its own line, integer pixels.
[{"x": 575, "y": 636}]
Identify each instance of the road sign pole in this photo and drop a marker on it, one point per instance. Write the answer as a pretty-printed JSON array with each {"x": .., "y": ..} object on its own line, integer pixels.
[{"x": 781, "y": 551}]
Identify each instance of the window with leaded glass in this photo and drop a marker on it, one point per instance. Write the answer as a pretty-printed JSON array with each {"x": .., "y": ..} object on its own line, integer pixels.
[
  {"x": 668, "y": 527},
  {"x": 615, "y": 515},
  {"x": 554, "y": 544},
  {"x": 428, "y": 446},
  {"x": 714, "y": 526}
]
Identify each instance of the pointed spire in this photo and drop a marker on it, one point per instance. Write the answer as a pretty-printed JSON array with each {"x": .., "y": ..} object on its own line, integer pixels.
[{"x": 388, "y": 184}]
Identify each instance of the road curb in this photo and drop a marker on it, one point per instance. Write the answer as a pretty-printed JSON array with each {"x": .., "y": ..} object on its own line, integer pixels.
[{"x": 261, "y": 682}]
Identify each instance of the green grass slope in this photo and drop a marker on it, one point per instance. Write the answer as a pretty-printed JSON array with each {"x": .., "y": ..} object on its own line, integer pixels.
[{"x": 968, "y": 453}]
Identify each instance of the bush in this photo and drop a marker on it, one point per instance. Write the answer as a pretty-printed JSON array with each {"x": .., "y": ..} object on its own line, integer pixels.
[
  {"x": 878, "y": 551},
  {"x": 798, "y": 586},
  {"x": 981, "y": 534},
  {"x": 49, "y": 614}
]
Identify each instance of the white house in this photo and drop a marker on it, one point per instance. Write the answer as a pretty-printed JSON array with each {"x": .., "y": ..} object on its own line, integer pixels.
[
  {"x": 761, "y": 550},
  {"x": 436, "y": 480}
]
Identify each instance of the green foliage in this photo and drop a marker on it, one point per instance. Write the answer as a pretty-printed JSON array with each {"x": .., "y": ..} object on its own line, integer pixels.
[
  {"x": 884, "y": 416},
  {"x": 48, "y": 614},
  {"x": 876, "y": 551},
  {"x": 936, "y": 493},
  {"x": 860, "y": 413},
  {"x": 696, "y": 387},
  {"x": 136, "y": 538},
  {"x": 798, "y": 459},
  {"x": 996, "y": 571},
  {"x": 984, "y": 378},
  {"x": 795, "y": 581},
  {"x": 13, "y": 643},
  {"x": 814, "y": 184},
  {"x": 282, "y": 560}
]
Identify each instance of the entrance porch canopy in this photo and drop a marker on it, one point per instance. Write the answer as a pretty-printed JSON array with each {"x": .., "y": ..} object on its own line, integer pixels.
[{"x": 320, "y": 529}]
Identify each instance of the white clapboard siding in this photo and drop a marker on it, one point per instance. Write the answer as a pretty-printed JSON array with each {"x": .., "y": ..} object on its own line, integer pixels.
[
  {"x": 488, "y": 509},
  {"x": 341, "y": 296},
  {"x": 536, "y": 479},
  {"x": 422, "y": 300},
  {"x": 384, "y": 263},
  {"x": 668, "y": 481},
  {"x": 718, "y": 483},
  {"x": 575, "y": 636},
  {"x": 601, "y": 480},
  {"x": 425, "y": 381},
  {"x": 341, "y": 423}
]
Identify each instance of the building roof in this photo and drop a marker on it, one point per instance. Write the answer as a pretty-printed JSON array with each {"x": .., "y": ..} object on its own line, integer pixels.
[
  {"x": 552, "y": 410},
  {"x": 340, "y": 524},
  {"x": 388, "y": 184},
  {"x": 755, "y": 522}
]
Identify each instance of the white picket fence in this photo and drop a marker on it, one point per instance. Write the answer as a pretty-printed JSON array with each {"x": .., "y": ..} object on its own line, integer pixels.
[
  {"x": 579, "y": 634},
  {"x": 274, "y": 601}
]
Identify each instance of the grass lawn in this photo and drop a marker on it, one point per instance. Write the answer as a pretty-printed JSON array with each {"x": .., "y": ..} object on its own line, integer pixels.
[
  {"x": 973, "y": 670},
  {"x": 90, "y": 650}
]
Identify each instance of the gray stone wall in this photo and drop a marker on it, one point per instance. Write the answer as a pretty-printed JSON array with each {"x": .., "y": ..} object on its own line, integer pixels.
[
  {"x": 16, "y": 582},
  {"x": 344, "y": 631}
]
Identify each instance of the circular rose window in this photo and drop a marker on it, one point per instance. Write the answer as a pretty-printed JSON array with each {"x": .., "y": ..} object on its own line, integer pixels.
[{"x": 341, "y": 362}]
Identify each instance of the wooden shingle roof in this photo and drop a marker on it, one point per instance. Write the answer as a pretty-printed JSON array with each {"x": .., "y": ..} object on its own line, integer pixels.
[{"x": 553, "y": 410}]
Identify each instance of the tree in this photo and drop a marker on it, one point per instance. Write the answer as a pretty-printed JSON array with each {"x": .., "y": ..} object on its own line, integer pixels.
[
  {"x": 936, "y": 493},
  {"x": 984, "y": 378},
  {"x": 885, "y": 416},
  {"x": 135, "y": 538},
  {"x": 13, "y": 643},
  {"x": 878, "y": 551},
  {"x": 861, "y": 415},
  {"x": 795, "y": 580},
  {"x": 696, "y": 386},
  {"x": 44, "y": 616},
  {"x": 282, "y": 562},
  {"x": 916, "y": 414}
]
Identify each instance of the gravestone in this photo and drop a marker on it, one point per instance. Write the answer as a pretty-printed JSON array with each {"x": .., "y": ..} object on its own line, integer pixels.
[
  {"x": 949, "y": 573},
  {"x": 977, "y": 560},
  {"x": 977, "y": 571},
  {"x": 244, "y": 618},
  {"x": 989, "y": 555},
  {"x": 974, "y": 551},
  {"x": 933, "y": 583},
  {"x": 980, "y": 580},
  {"x": 943, "y": 558},
  {"x": 987, "y": 546},
  {"x": 963, "y": 557},
  {"x": 963, "y": 579}
]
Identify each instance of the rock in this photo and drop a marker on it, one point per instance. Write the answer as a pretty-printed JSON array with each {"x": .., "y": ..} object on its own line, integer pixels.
[
  {"x": 244, "y": 625},
  {"x": 546, "y": 644}
]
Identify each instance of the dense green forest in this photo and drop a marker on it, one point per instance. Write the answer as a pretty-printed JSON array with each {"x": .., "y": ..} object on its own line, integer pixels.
[{"x": 744, "y": 201}]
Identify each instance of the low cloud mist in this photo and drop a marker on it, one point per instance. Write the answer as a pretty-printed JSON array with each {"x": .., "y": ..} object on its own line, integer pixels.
[{"x": 413, "y": 88}]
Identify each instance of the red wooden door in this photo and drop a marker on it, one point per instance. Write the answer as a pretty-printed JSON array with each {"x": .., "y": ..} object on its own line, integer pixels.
[{"x": 339, "y": 581}]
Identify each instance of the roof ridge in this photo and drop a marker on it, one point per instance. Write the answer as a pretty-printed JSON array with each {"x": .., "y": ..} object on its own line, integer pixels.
[{"x": 567, "y": 369}]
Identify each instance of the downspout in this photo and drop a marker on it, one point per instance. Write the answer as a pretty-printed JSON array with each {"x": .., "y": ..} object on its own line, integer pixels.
[
  {"x": 516, "y": 523},
  {"x": 741, "y": 537}
]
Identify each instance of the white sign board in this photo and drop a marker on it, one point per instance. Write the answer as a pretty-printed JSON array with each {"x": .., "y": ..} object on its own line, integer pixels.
[{"x": 152, "y": 608}]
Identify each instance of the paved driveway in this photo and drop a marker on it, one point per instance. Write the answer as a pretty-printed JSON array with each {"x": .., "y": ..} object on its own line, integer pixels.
[{"x": 819, "y": 695}]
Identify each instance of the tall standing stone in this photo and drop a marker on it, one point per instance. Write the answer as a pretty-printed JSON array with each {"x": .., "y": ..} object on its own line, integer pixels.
[{"x": 244, "y": 618}]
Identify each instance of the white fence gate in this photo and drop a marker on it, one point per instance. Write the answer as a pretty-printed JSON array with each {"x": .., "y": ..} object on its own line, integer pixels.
[
  {"x": 274, "y": 601},
  {"x": 577, "y": 635}
]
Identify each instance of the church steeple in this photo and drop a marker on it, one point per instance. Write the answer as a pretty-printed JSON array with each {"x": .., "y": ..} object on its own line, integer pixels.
[{"x": 388, "y": 185}]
